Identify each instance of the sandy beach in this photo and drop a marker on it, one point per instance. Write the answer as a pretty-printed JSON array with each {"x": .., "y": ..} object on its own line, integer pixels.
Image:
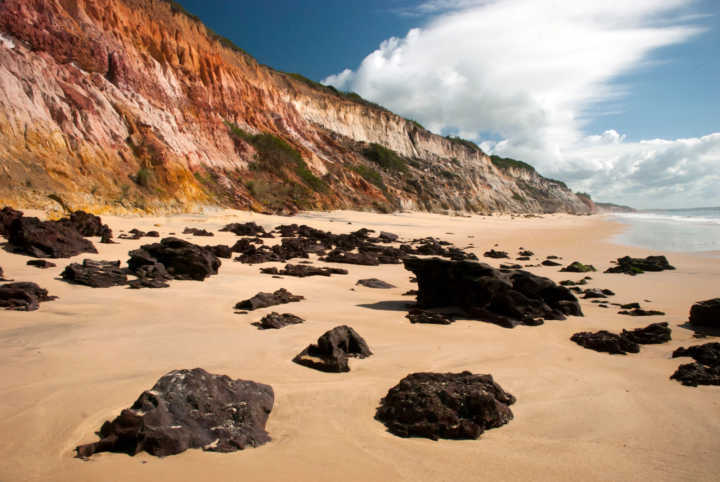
[{"x": 580, "y": 414}]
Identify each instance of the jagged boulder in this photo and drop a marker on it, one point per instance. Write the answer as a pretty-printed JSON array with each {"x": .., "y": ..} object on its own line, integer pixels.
[
  {"x": 198, "y": 232},
  {"x": 340, "y": 256},
  {"x": 97, "y": 274},
  {"x": 275, "y": 321},
  {"x": 181, "y": 259},
  {"x": 483, "y": 292},
  {"x": 549, "y": 262},
  {"x": 333, "y": 349},
  {"x": 46, "y": 239},
  {"x": 706, "y": 313},
  {"x": 150, "y": 276},
  {"x": 189, "y": 409},
  {"x": 375, "y": 283},
  {"x": 694, "y": 374},
  {"x": 637, "y": 311},
  {"x": 221, "y": 251},
  {"x": 41, "y": 263},
  {"x": 652, "y": 334},
  {"x": 496, "y": 254},
  {"x": 633, "y": 266},
  {"x": 707, "y": 354},
  {"x": 604, "y": 341},
  {"x": 23, "y": 296},
  {"x": 445, "y": 405},
  {"x": 245, "y": 229},
  {"x": 263, "y": 300}
]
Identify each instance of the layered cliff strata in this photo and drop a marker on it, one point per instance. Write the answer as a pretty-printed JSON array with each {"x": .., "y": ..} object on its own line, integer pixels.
[{"x": 130, "y": 105}]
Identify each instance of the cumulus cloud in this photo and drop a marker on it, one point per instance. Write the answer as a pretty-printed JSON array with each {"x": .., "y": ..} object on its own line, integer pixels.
[{"x": 531, "y": 73}]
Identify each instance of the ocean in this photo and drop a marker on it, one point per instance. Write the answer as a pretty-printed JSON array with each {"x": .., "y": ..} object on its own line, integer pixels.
[{"x": 689, "y": 230}]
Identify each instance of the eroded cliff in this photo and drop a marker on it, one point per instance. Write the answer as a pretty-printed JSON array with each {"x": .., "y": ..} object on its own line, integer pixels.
[{"x": 128, "y": 105}]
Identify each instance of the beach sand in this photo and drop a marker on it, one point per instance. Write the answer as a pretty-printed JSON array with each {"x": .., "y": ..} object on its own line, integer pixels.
[{"x": 580, "y": 414}]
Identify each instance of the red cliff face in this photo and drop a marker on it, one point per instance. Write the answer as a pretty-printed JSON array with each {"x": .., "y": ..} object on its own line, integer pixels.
[{"x": 133, "y": 105}]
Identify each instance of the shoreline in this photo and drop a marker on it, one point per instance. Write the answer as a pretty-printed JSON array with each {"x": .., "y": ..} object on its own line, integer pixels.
[{"x": 74, "y": 363}]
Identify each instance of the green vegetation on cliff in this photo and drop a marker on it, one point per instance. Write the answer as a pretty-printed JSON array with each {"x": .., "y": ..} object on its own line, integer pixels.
[
  {"x": 509, "y": 163},
  {"x": 385, "y": 158}
]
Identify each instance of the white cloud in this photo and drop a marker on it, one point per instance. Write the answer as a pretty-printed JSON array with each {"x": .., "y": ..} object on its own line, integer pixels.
[{"x": 531, "y": 72}]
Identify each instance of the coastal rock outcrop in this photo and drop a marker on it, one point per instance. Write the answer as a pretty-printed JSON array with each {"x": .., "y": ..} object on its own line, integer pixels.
[
  {"x": 46, "y": 239},
  {"x": 333, "y": 349},
  {"x": 706, "y": 368},
  {"x": 481, "y": 291},
  {"x": 97, "y": 274},
  {"x": 423, "y": 316},
  {"x": 23, "y": 296},
  {"x": 275, "y": 321},
  {"x": 604, "y": 341},
  {"x": 189, "y": 409},
  {"x": 652, "y": 334},
  {"x": 181, "y": 259},
  {"x": 303, "y": 270},
  {"x": 445, "y": 405},
  {"x": 263, "y": 300},
  {"x": 633, "y": 266},
  {"x": 375, "y": 283},
  {"x": 706, "y": 313}
]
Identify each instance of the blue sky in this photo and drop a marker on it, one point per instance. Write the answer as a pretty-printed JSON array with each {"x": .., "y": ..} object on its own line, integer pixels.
[{"x": 622, "y": 101}]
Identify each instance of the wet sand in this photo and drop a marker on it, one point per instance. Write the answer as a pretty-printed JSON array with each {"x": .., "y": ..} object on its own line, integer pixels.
[{"x": 580, "y": 415}]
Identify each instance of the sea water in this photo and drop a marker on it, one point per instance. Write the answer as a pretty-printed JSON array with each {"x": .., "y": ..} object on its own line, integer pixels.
[{"x": 688, "y": 230}]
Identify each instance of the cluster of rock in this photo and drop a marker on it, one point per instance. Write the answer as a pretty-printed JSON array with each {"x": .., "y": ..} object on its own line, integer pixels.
[
  {"x": 333, "y": 349},
  {"x": 173, "y": 258},
  {"x": 198, "y": 232},
  {"x": 188, "y": 409},
  {"x": 705, "y": 370},
  {"x": 97, "y": 274},
  {"x": 481, "y": 291},
  {"x": 634, "y": 309},
  {"x": 625, "y": 342},
  {"x": 633, "y": 266},
  {"x": 135, "y": 234},
  {"x": 445, "y": 405},
  {"x": 578, "y": 267},
  {"x": 416, "y": 315},
  {"x": 23, "y": 296},
  {"x": 303, "y": 270},
  {"x": 275, "y": 321}
]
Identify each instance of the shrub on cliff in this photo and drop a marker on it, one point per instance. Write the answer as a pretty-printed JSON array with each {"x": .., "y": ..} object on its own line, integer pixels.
[{"x": 385, "y": 158}]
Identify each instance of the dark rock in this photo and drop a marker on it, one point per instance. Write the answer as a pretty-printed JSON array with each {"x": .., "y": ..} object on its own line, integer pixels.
[
  {"x": 23, "y": 296},
  {"x": 707, "y": 354},
  {"x": 630, "y": 306},
  {"x": 151, "y": 276},
  {"x": 7, "y": 216},
  {"x": 375, "y": 283},
  {"x": 133, "y": 234},
  {"x": 552, "y": 256},
  {"x": 549, "y": 262},
  {"x": 604, "y": 341},
  {"x": 333, "y": 349},
  {"x": 303, "y": 270},
  {"x": 263, "y": 300},
  {"x": 641, "y": 312},
  {"x": 526, "y": 253},
  {"x": 596, "y": 293},
  {"x": 97, "y": 274},
  {"x": 445, "y": 405},
  {"x": 694, "y": 374},
  {"x": 386, "y": 237},
  {"x": 87, "y": 224},
  {"x": 522, "y": 258},
  {"x": 339, "y": 256},
  {"x": 152, "y": 234},
  {"x": 568, "y": 282},
  {"x": 510, "y": 266},
  {"x": 495, "y": 254},
  {"x": 189, "y": 409},
  {"x": 633, "y": 266},
  {"x": 181, "y": 259},
  {"x": 578, "y": 267},
  {"x": 198, "y": 232},
  {"x": 650, "y": 335},
  {"x": 706, "y": 313},
  {"x": 410, "y": 293},
  {"x": 2, "y": 275},
  {"x": 422, "y": 316},
  {"x": 276, "y": 321},
  {"x": 221, "y": 251},
  {"x": 505, "y": 298},
  {"x": 245, "y": 229},
  {"x": 46, "y": 239}
]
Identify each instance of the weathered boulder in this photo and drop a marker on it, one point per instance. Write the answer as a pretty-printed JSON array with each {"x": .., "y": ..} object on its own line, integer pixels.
[
  {"x": 422, "y": 316},
  {"x": 97, "y": 274},
  {"x": 445, "y": 405},
  {"x": 633, "y": 266},
  {"x": 707, "y": 354},
  {"x": 7, "y": 216},
  {"x": 652, "y": 334},
  {"x": 385, "y": 237},
  {"x": 275, "y": 321},
  {"x": 2, "y": 275},
  {"x": 706, "y": 313},
  {"x": 244, "y": 229},
  {"x": 640, "y": 312},
  {"x": 333, "y": 349},
  {"x": 597, "y": 293},
  {"x": 549, "y": 262},
  {"x": 375, "y": 283},
  {"x": 181, "y": 259},
  {"x": 189, "y": 409},
  {"x": 23, "y": 296},
  {"x": 604, "y": 341},
  {"x": 694, "y": 374},
  {"x": 150, "y": 276},
  {"x": 221, "y": 251},
  {"x": 303, "y": 270},
  {"x": 87, "y": 224},
  {"x": 46, "y": 239},
  {"x": 263, "y": 300},
  {"x": 483, "y": 292},
  {"x": 340, "y": 256},
  {"x": 578, "y": 267}
]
